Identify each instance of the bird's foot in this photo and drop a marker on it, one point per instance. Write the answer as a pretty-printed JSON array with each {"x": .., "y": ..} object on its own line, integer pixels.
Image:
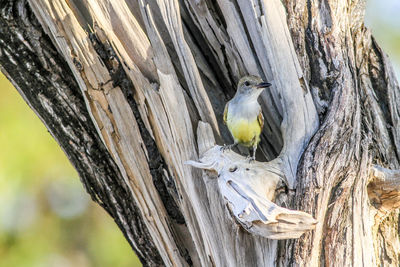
[
  {"x": 250, "y": 159},
  {"x": 227, "y": 147}
]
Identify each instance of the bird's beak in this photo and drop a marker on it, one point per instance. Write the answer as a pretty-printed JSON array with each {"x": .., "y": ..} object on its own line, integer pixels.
[{"x": 263, "y": 85}]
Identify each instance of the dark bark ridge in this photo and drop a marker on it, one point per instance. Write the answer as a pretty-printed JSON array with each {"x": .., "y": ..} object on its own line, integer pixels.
[
  {"x": 354, "y": 97},
  {"x": 42, "y": 76}
]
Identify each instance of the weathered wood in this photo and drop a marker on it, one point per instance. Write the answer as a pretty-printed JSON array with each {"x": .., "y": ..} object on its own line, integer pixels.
[
  {"x": 384, "y": 190},
  {"x": 249, "y": 190},
  {"x": 347, "y": 72},
  {"x": 153, "y": 78}
]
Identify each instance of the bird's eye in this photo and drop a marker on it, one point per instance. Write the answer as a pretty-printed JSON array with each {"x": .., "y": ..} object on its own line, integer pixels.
[{"x": 246, "y": 83}]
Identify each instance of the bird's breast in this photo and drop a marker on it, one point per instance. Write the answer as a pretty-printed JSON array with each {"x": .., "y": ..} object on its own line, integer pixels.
[
  {"x": 243, "y": 124},
  {"x": 245, "y": 132}
]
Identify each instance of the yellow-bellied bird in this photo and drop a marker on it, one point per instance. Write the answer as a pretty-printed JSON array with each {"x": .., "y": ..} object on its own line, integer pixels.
[{"x": 243, "y": 114}]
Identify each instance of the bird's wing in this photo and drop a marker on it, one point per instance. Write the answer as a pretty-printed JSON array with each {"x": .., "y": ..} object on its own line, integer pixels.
[
  {"x": 260, "y": 119},
  {"x": 226, "y": 112}
]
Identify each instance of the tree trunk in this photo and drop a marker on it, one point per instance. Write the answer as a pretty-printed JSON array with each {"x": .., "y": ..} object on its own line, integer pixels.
[{"x": 132, "y": 90}]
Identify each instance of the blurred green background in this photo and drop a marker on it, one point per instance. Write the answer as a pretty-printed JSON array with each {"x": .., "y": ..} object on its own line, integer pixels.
[
  {"x": 382, "y": 17},
  {"x": 46, "y": 218}
]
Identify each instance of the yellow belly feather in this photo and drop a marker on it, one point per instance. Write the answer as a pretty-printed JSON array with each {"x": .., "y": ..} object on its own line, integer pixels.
[{"x": 246, "y": 133}]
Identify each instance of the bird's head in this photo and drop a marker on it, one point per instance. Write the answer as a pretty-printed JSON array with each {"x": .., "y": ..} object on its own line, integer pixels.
[{"x": 251, "y": 86}]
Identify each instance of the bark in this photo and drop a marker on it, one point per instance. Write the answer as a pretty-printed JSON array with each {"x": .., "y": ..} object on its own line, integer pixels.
[
  {"x": 133, "y": 89},
  {"x": 43, "y": 78}
]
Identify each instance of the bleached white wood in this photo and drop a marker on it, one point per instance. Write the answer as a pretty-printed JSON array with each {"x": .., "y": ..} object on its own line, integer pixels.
[{"x": 249, "y": 190}]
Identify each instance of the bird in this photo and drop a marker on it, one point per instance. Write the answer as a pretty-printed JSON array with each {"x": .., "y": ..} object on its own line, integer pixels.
[{"x": 243, "y": 114}]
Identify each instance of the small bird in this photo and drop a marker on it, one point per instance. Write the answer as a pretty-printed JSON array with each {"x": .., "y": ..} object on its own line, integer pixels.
[{"x": 243, "y": 114}]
